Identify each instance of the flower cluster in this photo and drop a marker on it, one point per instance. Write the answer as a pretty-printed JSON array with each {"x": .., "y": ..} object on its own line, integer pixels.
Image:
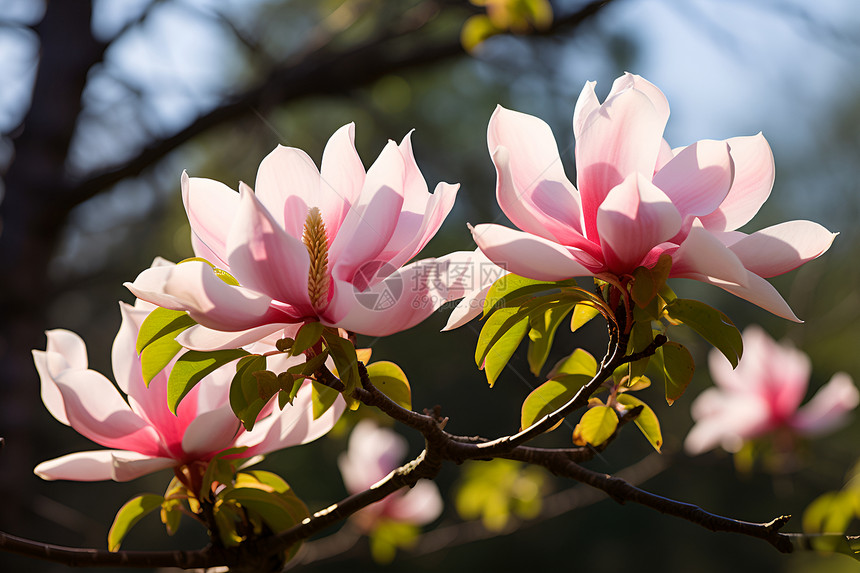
[
  {"x": 762, "y": 396},
  {"x": 637, "y": 199}
]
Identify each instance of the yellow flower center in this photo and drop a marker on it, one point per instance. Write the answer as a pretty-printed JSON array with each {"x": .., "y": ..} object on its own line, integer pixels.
[{"x": 315, "y": 239}]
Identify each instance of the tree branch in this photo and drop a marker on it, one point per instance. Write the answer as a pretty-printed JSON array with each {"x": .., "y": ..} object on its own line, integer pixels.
[{"x": 320, "y": 72}]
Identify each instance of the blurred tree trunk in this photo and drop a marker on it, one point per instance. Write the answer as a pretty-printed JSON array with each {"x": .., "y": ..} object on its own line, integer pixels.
[{"x": 32, "y": 216}]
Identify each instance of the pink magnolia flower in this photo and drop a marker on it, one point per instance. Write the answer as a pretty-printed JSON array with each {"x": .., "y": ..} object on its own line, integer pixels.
[
  {"x": 309, "y": 244},
  {"x": 762, "y": 395},
  {"x": 372, "y": 454},
  {"x": 143, "y": 434},
  {"x": 638, "y": 199}
]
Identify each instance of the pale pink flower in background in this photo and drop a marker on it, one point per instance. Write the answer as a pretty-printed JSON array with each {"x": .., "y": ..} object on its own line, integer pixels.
[
  {"x": 373, "y": 453},
  {"x": 762, "y": 396},
  {"x": 309, "y": 244},
  {"x": 638, "y": 199},
  {"x": 143, "y": 434}
]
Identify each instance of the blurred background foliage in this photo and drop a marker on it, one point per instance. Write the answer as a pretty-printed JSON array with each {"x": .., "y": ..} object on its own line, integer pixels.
[{"x": 104, "y": 103}]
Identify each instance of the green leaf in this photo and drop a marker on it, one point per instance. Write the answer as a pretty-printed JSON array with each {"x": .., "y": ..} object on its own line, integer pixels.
[
  {"x": 549, "y": 397},
  {"x": 158, "y": 323},
  {"x": 245, "y": 398},
  {"x": 287, "y": 396},
  {"x": 391, "y": 381},
  {"x": 640, "y": 337},
  {"x": 129, "y": 514},
  {"x": 476, "y": 29},
  {"x": 582, "y": 315},
  {"x": 219, "y": 470},
  {"x": 542, "y": 332},
  {"x": 579, "y": 362},
  {"x": 678, "y": 367},
  {"x": 322, "y": 398},
  {"x": 156, "y": 342},
  {"x": 711, "y": 324},
  {"x": 830, "y": 513},
  {"x": 646, "y": 421},
  {"x": 345, "y": 360},
  {"x": 596, "y": 425},
  {"x": 191, "y": 368},
  {"x": 171, "y": 515},
  {"x": 503, "y": 343},
  {"x": 496, "y": 326},
  {"x": 279, "y": 510},
  {"x": 388, "y": 535},
  {"x": 308, "y": 335},
  {"x": 511, "y": 290}
]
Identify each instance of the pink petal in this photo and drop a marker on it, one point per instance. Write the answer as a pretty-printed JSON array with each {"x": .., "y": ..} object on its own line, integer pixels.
[
  {"x": 829, "y": 407},
  {"x": 531, "y": 186},
  {"x": 265, "y": 258},
  {"x": 97, "y": 411},
  {"x": 470, "y": 307},
  {"x": 409, "y": 238},
  {"x": 341, "y": 178},
  {"x": 369, "y": 225},
  {"x": 703, "y": 254},
  {"x": 210, "y": 206},
  {"x": 698, "y": 179},
  {"x": 586, "y": 104},
  {"x": 635, "y": 217},
  {"x": 287, "y": 185},
  {"x": 65, "y": 351},
  {"x": 419, "y": 505},
  {"x": 756, "y": 290},
  {"x": 198, "y": 337},
  {"x": 130, "y": 465},
  {"x": 372, "y": 453},
  {"x": 754, "y": 174},
  {"x": 784, "y": 247},
  {"x": 98, "y": 465},
  {"x": 623, "y": 137},
  {"x": 210, "y": 432},
  {"x": 527, "y": 255},
  {"x": 403, "y": 299},
  {"x": 629, "y": 81},
  {"x": 193, "y": 287},
  {"x": 724, "y": 420}
]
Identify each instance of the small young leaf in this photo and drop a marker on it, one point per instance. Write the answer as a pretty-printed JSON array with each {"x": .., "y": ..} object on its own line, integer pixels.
[
  {"x": 390, "y": 379},
  {"x": 243, "y": 389},
  {"x": 308, "y": 335},
  {"x": 678, "y": 367},
  {"x": 549, "y": 397},
  {"x": 191, "y": 368},
  {"x": 711, "y": 324},
  {"x": 646, "y": 421},
  {"x": 596, "y": 426},
  {"x": 129, "y": 514},
  {"x": 345, "y": 360}
]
